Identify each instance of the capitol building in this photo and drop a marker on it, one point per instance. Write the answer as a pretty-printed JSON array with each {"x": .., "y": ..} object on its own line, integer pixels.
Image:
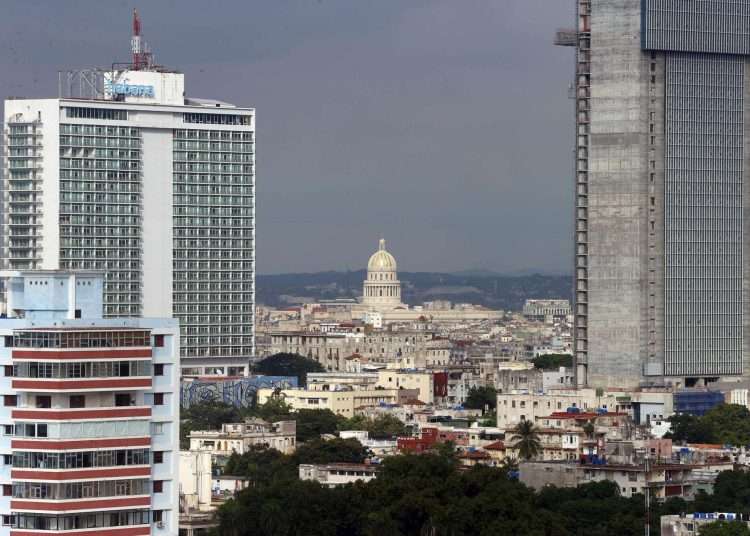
[
  {"x": 381, "y": 297},
  {"x": 382, "y": 289}
]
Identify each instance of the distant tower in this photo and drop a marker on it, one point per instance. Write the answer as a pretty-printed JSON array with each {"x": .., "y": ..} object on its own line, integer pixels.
[{"x": 382, "y": 289}]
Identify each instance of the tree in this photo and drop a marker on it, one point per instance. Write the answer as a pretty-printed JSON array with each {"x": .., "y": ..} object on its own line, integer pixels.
[
  {"x": 730, "y": 424},
  {"x": 285, "y": 364},
  {"x": 526, "y": 440},
  {"x": 205, "y": 416},
  {"x": 481, "y": 398},
  {"x": 725, "y": 528},
  {"x": 311, "y": 423},
  {"x": 684, "y": 427},
  {"x": 552, "y": 361},
  {"x": 275, "y": 409},
  {"x": 726, "y": 423},
  {"x": 335, "y": 450},
  {"x": 589, "y": 429}
]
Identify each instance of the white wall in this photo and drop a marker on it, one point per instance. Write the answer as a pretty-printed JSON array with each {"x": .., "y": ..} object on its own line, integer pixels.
[{"x": 157, "y": 222}]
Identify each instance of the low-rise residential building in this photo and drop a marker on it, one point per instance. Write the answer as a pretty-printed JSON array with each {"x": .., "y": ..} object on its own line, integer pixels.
[
  {"x": 241, "y": 437},
  {"x": 378, "y": 447},
  {"x": 338, "y": 474},
  {"x": 339, "y": 381},
  {"x": 690, "y": 524},
  {"x": 524, "y": 377},
  {"x": 346, "y": 403},
  {"x": 663, "y": 479},
  {"x": 422, "y": 381},
  {"x": 643, "y": 406}
]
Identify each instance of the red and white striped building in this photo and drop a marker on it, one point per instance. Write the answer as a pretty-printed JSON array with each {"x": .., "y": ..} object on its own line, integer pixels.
[{"x": 89, "y": 417}]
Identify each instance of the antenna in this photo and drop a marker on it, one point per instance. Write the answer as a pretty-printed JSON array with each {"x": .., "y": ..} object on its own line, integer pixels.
[{"x": 142, "y": 56}]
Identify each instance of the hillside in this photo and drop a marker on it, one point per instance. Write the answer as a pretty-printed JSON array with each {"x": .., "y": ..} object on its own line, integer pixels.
[{"x": 493, "y": 291}]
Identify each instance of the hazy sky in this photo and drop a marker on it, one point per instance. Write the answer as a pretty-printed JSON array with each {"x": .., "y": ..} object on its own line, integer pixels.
[{"x": 443, "y": 125}]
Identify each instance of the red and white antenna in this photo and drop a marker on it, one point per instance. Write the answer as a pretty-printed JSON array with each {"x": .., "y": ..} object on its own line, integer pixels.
[{"x": 142, "y": 57}]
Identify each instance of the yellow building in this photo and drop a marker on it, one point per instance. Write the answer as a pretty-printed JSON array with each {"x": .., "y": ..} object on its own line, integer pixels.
[
  {"x": 345, "y": 403},
  {"x": 406, "y": 379}
]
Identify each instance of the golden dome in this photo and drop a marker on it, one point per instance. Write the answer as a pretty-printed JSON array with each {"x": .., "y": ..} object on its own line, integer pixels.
[{"x": 381, "y": 260}]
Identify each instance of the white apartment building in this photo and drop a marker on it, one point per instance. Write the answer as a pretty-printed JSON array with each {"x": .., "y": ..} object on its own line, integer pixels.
[
  {"x": 90, "y": 419},
  {"x": 153, "y": 188},
  {"x": 338, "y": 474},
  {"x": 241, "y": 437}
]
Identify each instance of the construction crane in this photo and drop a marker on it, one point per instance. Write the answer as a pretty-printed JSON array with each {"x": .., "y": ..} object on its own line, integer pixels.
[{"x": 143, "y": 59}]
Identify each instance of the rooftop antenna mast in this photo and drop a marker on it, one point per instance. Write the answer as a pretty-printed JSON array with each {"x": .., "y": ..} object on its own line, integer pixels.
[{"x": 142, "y": 56}]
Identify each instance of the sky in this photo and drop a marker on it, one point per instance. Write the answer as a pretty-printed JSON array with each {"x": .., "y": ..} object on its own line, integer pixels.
[{"x": 443, "y": 126}]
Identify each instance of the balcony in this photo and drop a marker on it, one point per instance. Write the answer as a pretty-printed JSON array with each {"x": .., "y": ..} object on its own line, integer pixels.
[
  {"x": 82, "y": 414},
  {"x": 80, "y": 505},
  {"x": 129, "y": 383}
]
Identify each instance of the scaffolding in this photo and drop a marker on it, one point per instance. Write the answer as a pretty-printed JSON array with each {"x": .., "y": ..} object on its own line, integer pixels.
[
  {"x": 580, "y": 90},
  {"x": 81, "y": 84}
]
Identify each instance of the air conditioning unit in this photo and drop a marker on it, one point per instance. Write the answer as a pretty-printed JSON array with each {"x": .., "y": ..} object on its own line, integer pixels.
[{"x": 160, "y": 524}]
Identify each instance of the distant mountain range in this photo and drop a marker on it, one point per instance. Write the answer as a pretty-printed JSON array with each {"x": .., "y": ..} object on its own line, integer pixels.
[{"x": 480, "y": 287}]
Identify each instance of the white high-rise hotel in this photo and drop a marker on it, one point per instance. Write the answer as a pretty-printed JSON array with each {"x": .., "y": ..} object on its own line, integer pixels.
[{"x": 153, "y": 188}]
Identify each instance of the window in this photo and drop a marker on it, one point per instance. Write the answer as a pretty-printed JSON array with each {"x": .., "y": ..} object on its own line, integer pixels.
[
  {"x": 159, "y": 341},
  {"x": 8, "y": 370},
  {"x": 158, "y": 516},
  {"x": 9, "y": 341},
  {"x": 122, "y": 399},
  {"x": 41, "y": 430},
  {"x": 43, "y": 401},
  {"x": 7, "y": 490},
  {"x": 78, "y": 313},
  {"x": 7, "y": 459},
  {"x": 157, "y": 428},
  {"x": 8, "y": 429},
  {"x": 9, "y": 521},
  {"x": 10, "y": 400},
  {"x": 159, "y": 456},
  {"x": 158, "y": 399},
  {"x": 158, "y": 486},
  {"x": 77, "y": 401},
  {"x": 159, "y": 369},
  {"x": 96, "y": 113}
]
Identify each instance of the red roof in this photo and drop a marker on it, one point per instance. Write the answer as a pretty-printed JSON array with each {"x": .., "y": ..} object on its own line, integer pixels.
[{"x": 497, "y": 445}]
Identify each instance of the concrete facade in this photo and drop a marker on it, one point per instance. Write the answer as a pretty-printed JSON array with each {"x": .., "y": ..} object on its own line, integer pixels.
[{"x": 661, "y": 200}]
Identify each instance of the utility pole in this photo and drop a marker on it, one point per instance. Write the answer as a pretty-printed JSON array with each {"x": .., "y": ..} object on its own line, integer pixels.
[{"x": 647, "y": 494}]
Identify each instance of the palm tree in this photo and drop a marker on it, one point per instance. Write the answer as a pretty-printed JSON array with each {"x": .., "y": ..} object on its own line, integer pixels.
[{"x": 526, "y": 440}]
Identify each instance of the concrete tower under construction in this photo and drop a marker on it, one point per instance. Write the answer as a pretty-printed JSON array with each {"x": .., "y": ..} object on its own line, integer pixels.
[{"x": 661, "y": 190}]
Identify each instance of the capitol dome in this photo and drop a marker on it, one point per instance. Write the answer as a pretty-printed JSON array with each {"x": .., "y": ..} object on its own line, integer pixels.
[
  {"x": 381, "y": 260},
  {"x": 382, "y": 289}
]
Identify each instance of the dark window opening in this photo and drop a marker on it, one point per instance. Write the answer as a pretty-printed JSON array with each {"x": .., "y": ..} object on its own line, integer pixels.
[{"x": 122, "y": 399}]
